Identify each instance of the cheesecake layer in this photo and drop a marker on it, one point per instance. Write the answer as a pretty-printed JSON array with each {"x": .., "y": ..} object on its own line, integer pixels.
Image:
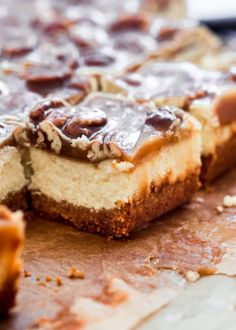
[
  {"x": 110, "y": 183},
  {"x": 11, "y": 241},
  {"x": 123, "y": 220},
  {"x": 115, "y": 197},
  {"x": 12, "y": 177}
]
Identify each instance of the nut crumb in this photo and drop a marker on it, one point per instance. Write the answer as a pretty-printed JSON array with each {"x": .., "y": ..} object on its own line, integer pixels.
[
  {"x": 48, "y": 278},
  {"x": 27, "y": 273},
  {"x": 199, "y": 200},
  {"x": 37, "y": 278},
  {"x": 59, "y": 281},
  {"x": 229, "y": 201},
  {"x": 192, "y": 276},
  {"x": 42, "y": 283},
  {"x": 122, "y": 166},
  {"x": 220, "y": 209},
  {"x": 75, "y": 273}
]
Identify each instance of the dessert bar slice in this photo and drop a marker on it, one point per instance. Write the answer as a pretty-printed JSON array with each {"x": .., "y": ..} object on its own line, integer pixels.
[
  {"x": 14, "y": 100},
  {"x": 12, "y": 178},
  {"x": 209, "y": 96},
  {"x": 110, "y": 165},
  {"x": 11, "y": 241}
]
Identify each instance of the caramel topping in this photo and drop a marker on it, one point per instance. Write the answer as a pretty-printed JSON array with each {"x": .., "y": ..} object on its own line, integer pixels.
[
  {"x": 167, "y": 33},
  {"x": 45, "y": 66},
  {"x": 179, "y": 83},
  {"x": 117, "y": 127},
  {"x": 46, "y": 73},
  {"x": 134, "y": 43},
  {"x": 88, "y": 35},
  {"x": 16, "y": 40},
  {"x": 166, "y": 30},
  {"x": 133, "y": 79},
  {"x": 96, "y": 34}
]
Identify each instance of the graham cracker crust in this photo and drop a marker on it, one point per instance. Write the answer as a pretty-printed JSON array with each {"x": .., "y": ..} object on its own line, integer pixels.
[
  {"x": 121, "y": 221},
  {"x": 222, "y": 160},
  {"x": 17, "y": 200}
]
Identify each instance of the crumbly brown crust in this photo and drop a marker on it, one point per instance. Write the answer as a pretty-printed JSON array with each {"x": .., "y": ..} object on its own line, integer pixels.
[
  {"x": 222, "y": 160},
  {"x": 17, "y": 200},
  {"x": 121, "y": 221}
]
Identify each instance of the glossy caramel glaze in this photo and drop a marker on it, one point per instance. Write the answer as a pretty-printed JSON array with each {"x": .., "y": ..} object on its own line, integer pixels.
[
  {"x": 54, "y": 37},
  {"x": 49, "y": 51},
  {"x": 104, "y": 126},
  {"x": 180, "y": 82}
]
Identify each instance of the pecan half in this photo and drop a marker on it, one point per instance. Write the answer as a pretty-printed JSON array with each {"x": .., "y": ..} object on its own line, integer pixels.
[
  {"x": 130, "y": 22},
  {"x": 86, "y": 122},
  {"x": 167, "y": 33},
  {"x": 162, "y": 119},
  {"x": 98, "y": 58},
  {"x": 42, "y": 110}
]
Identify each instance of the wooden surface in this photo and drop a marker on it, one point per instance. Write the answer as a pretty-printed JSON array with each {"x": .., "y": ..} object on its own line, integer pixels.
[{"x": 127, "y": 281}]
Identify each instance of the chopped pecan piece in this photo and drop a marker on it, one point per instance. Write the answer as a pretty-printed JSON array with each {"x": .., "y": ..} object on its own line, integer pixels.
[
  {"x": 16, "y": 41},
  {"x": 130, "y": 22},
  {"x": 88, "y": 36},
  {"x": 42, "y": 110},
  {"x": 133, "y": 79},
  {"x": 161, "y": 119},
  {"x": 41, "y": 73},
  {"x": 85, "y": 123},
  {"x": 98, "y": 58},
  {"x": 167, "y": 33}
]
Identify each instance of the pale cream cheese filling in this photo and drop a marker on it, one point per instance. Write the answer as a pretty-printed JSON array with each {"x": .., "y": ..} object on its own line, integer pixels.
[
  {"x": 12, "y": 178},
  {"x": 109, "y": 183}
]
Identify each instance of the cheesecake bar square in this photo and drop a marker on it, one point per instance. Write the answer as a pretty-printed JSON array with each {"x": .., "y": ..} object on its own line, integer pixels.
[
  {"x": 11, "y": 241},
  {"x": 14, "y": 102},
  {"x": 111, "y": 165},
  {"x": 209, "y": 96}
]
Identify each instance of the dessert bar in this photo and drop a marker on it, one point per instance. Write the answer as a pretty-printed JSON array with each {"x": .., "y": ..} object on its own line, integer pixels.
[
  {"x": 14, "y": 100},
  {"x": 11, "y": 241},
  {"x": 208, "y": 96},
  {"x": 112, "y": 165}
]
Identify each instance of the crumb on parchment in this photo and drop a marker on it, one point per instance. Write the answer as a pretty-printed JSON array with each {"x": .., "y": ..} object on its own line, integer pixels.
[
  {"x": 220, "y": 209},
  {"x": 27, "y": 273},
  {"x": 192, "y": 276},
  {"x": 75, "y": 273},
  {"x": 59, "y": 281}
]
